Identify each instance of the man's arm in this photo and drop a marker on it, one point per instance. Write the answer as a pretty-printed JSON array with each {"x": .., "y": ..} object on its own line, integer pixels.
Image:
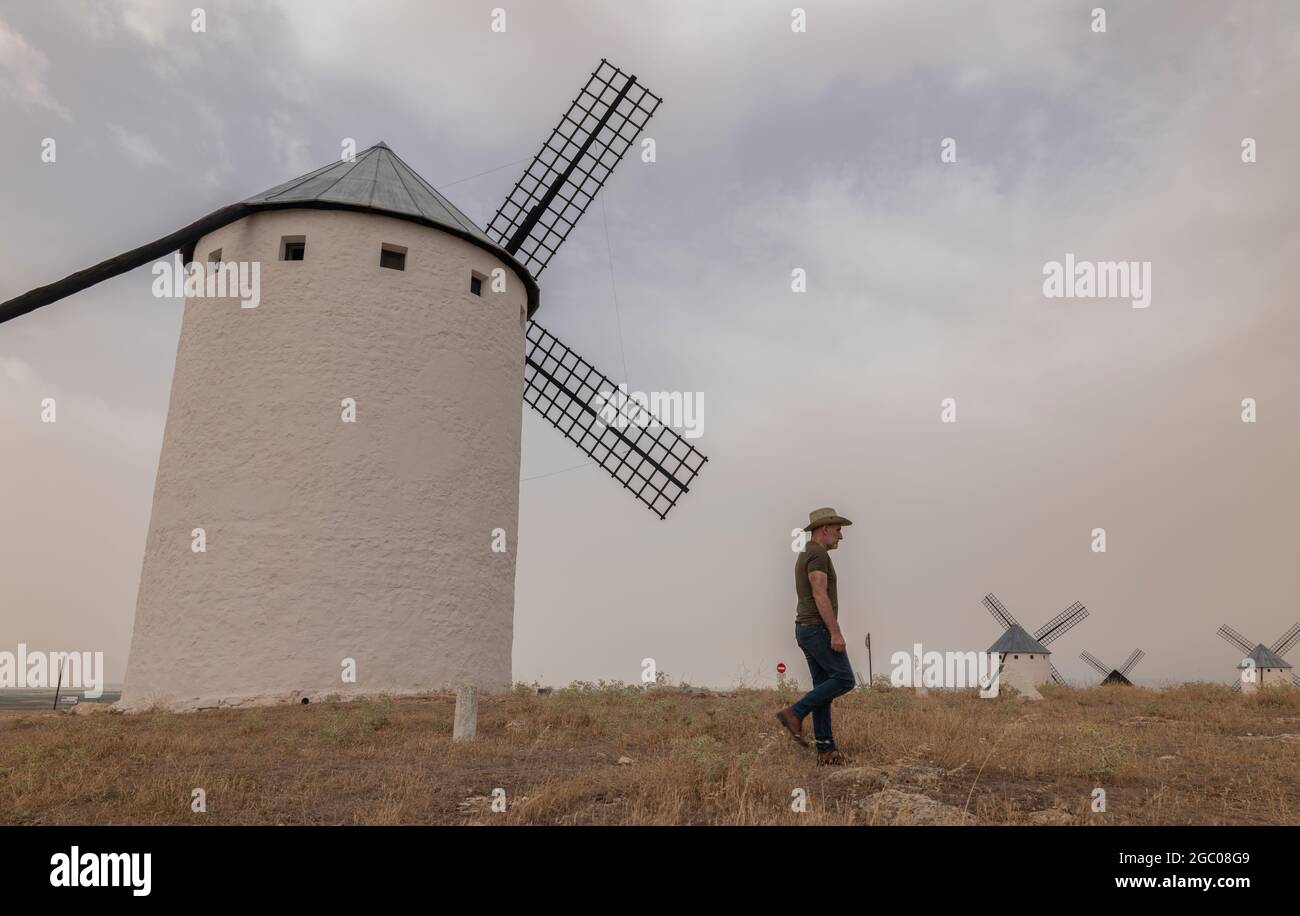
[{"x": 818, "y": 582}]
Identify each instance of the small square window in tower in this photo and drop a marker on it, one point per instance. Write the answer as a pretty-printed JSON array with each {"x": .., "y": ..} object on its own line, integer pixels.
[
  {"x": 215, "y": 257},
  {"x": 476, "y": 283},
  {"x": 293, "y": 248},
  {"x": 392, "y": 257}
]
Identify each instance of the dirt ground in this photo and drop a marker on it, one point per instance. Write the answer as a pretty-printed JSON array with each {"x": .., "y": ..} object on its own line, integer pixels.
[{"x": 616, "y": 754}]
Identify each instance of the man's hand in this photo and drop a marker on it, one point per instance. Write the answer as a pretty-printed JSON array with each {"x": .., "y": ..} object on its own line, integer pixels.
[{"x": 837, "y": 642}]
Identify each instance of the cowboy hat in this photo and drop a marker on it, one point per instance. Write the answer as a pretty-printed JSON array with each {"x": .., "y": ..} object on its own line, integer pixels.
[{"x": 826, "y": 516}]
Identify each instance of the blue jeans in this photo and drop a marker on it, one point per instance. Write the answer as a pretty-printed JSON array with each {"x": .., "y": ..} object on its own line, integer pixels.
[{"x": 832, "y": 675}]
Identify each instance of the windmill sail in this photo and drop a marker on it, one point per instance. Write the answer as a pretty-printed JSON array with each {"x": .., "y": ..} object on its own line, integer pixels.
[
  {"x": 572, "y": 166},
  {"x": 1131, "y": 662},
  {"x": 1058, "y": 625},
  {"x": 647, "y": 458},
  {"x": 999, "y": 611},
  {"x": 1095, "y": 662},
  {"x": 1287, "y": 640},
  {"x": 1236, "y": 639}
]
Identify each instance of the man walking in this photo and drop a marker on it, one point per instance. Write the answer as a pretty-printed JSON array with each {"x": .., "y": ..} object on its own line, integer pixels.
[{"x": 817, "y": 632}]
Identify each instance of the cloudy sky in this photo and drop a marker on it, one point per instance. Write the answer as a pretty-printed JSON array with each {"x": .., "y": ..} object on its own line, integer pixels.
[{"x": 776, "y": 150}]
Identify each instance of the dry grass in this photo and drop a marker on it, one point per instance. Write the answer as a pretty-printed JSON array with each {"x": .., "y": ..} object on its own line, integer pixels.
[{"x": 697, "y": 758}]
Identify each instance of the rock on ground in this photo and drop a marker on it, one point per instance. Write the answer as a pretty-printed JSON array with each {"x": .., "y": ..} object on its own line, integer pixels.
[
  {"x": 894, "y": 806},
  {"x": 898, "y": 774},
  {"x": 1051, "y": 817}
]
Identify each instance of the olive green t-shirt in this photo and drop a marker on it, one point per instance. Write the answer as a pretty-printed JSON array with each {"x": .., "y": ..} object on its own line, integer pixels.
[{"x": 815, "y": 558}]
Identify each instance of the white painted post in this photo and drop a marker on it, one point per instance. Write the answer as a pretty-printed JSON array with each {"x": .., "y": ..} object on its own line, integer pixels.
[{"x": 466, "y": 725}]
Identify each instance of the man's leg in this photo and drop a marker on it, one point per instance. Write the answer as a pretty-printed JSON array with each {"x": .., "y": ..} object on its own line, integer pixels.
[
  {"x": 792, "y": 716},
  {"x": 839, "y": 672},
  {"x": 821, "y": 715},
  {"x": 832, "y": 677},
  {"x": 821, "y": 726}
]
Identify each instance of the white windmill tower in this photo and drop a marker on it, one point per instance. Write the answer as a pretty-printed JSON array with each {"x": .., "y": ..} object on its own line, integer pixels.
[
  {"x": 1114, "y": 676},
  {"x": 338, "y": 460},
  {"x": 1263, "y": 666},
  {"x": 1025, "y": 661}
]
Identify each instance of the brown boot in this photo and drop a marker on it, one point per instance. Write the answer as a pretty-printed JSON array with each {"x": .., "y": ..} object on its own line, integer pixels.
[
  {"x": 830, "y": 759},
  {"x": 793, "y": 724}
]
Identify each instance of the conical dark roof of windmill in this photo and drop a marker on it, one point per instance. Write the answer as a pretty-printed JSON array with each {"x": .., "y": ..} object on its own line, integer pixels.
[
  {"x": 1264, "y": 657},
  {"x": 1116, "y": 678},
  {"x": 376, "y": 180},
  {"x": 1017, "y": 639}
]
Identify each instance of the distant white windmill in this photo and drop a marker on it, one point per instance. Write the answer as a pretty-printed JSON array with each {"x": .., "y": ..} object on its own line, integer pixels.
[
  {"x": 1263, "y": 666},
  {"x": 1025, "y": 662}
]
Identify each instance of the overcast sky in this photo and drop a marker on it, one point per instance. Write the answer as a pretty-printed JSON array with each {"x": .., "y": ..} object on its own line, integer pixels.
[{"x": 775, "y": 150}]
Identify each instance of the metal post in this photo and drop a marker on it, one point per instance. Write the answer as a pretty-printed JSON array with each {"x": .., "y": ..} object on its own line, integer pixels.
[{"x": 58, "y": 687}]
